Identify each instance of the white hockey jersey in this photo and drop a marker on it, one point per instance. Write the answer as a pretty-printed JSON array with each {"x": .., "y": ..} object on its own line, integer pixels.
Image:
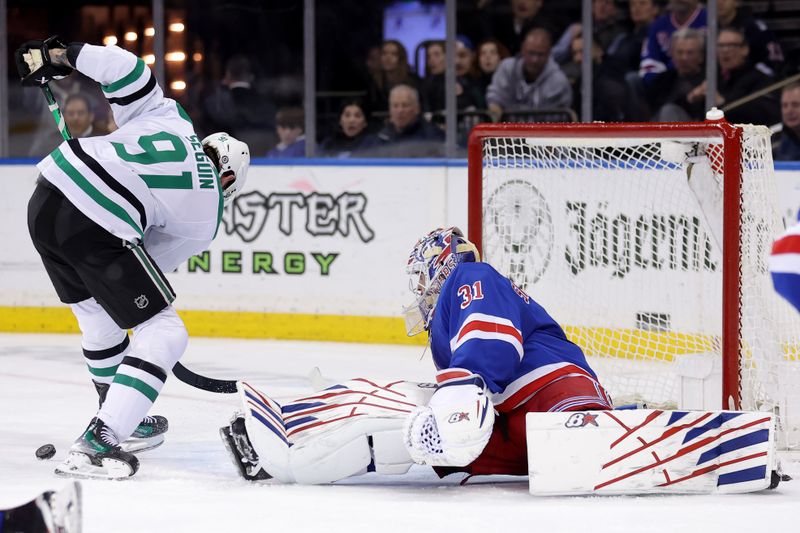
[{"x": 150, "y": 180}]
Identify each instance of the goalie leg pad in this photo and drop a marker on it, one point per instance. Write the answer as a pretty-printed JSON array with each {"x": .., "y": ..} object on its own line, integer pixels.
[
  {"x": 369, "y": 444},
  {"x": 650, "y": 451},
  {"x": 346, "y": 430}
]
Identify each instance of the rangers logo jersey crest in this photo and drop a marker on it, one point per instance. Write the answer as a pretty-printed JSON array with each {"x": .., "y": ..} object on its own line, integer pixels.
[
  {"x": 484, "y": 324},
  {"x": 148, "y": 181}
]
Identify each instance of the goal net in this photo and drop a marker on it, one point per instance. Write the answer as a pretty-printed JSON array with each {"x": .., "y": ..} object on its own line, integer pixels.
[{"x": 619, "y": 232}]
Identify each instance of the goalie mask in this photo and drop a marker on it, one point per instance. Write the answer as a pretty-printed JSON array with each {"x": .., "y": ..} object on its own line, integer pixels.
[
  {"x": 432, "y": 260},
  {"x": 232, "y": 158}
]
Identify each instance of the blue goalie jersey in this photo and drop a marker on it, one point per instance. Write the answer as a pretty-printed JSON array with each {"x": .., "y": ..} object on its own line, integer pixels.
[{"x": 485, "y": 325}]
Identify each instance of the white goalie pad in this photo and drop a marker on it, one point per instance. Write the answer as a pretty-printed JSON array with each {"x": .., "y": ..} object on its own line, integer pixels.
[
  {"x": 644, "y": 451},
  {"x": 342, "y": 431}
]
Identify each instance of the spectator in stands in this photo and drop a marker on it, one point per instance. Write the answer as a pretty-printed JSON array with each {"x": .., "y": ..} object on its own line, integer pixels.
[
  {"x": 78, "y": 114},
  {"x": 465, "y": 57},
  {"x": 642, "y": 13},
  {"x": 607, "y": 30},
  {"x": 511, "y": 28},
  {"x": 394, "y": 70},
  {"x": 668, "y": 92},
  {"x": 432, "y": 87},
  {"x": 490, "y": 53},
  {"x": 236, "y": 107},
  {"x": 789, "y": 147},
  {"x": 533, "y": 80},
  {"x": 352, "y": 135},
  {"x": 290, "y": 124},
  {"x": 655, "y": 52},
  {"x": 765, "y": 51},
  {"x": 468, "y": 89},
  {"x": 737, "y": 78},
  {"x": 609, "y": 93},
  {"x": 628, "y": 52},
  {"x": 407, "y": 133}
]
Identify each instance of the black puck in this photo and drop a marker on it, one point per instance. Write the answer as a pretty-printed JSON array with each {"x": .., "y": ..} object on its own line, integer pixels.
[{"x": 45, "y": 452}]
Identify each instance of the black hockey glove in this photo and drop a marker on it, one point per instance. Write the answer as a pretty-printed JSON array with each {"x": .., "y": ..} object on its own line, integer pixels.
[{"x": 34, "y": 64}]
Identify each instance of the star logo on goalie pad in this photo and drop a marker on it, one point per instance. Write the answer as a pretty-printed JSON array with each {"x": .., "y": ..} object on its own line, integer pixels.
[
  {"x": 458, "y": 417},
  {"x": 581, "y": 420}
]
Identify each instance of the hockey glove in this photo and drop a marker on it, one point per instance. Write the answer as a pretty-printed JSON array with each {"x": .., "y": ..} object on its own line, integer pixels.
[
  {"x": 453, "y": 429},
  {"x": 34, "y": 63}
]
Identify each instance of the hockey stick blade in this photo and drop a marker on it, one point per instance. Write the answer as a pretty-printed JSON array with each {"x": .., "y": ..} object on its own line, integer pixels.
[{"x": 221, "y": 386}]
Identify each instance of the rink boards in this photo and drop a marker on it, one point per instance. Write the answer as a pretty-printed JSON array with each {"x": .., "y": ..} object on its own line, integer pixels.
[{"x": 310, "y": 251}]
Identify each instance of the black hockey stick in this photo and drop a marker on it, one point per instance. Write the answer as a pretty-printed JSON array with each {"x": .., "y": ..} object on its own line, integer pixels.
[{"x": 222, "y": 386}]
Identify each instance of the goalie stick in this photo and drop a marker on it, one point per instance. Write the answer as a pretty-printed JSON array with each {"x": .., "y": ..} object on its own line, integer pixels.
[{"x": 222, "y": 386}]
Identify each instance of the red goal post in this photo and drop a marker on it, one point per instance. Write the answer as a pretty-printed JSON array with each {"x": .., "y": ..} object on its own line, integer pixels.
[{"x": 636, "y": 178}]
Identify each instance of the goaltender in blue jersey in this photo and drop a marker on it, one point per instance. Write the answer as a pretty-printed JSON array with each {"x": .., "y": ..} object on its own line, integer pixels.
[
  {"x": 485, "y": 324},
  {"x": 499, "y": 356},
  {"x": 490, "y": 340}
]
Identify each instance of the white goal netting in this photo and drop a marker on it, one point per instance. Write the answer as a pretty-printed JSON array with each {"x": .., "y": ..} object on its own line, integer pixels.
[{"x": 625, "y": 251}]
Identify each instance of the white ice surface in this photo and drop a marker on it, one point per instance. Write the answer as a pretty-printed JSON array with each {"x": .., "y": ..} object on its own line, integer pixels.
[{"x": 189, "y": 484}]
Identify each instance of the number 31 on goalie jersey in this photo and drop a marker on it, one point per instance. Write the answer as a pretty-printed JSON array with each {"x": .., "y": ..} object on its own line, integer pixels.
[{"x": 469, "y": 293}]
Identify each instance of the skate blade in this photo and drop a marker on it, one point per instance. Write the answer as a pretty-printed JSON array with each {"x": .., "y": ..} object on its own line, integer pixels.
[
  {"x": 79, "y": 465},
  {"x": 238, "y": 462},
  {"x": 145, "y": 444}
]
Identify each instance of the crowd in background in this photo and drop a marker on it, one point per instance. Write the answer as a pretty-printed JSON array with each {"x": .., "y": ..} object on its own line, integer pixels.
[{"x": 518, "y": 63}]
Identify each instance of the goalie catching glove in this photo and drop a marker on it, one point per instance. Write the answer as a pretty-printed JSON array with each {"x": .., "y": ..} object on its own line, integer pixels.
[
  {"x": 34, "y": 64},
  {"x": 455, "y": 426}
]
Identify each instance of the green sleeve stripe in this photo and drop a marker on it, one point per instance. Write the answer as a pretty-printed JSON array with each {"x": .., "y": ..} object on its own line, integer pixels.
[
  {"x": 167, "y": 181},
  {"x": 137, "y": 384},
  {"x": 132, "y": 76},
  {"x": 93, "y": 193},
  {"x": 103, "y": 372}
]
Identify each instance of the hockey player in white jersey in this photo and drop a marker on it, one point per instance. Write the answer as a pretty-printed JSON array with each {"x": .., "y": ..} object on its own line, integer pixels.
[{"x": 109, "y": 216}]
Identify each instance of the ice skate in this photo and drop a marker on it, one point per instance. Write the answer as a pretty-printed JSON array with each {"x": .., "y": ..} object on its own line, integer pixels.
[
  {"x": 96, "y": 454},
  {"x": 244, "y": 457},
  {"x": 149, "y": 434}
]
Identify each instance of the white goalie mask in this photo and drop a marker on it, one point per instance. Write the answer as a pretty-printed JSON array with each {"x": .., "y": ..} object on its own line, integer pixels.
[
  {"x": 432, "y": 260},
  {"x": 231, "y": 156}
]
